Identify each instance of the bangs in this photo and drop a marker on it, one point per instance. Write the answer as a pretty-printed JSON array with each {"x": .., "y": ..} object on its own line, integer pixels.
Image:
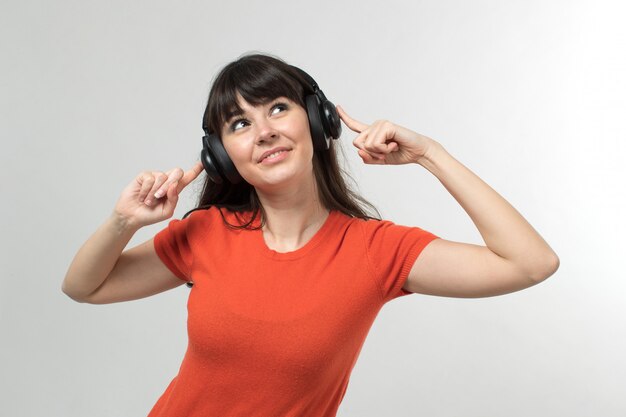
[{"x": 259, "y": 80}]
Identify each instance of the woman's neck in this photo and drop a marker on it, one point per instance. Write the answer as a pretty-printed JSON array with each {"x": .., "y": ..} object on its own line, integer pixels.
[{"x": 292, "y": 217}]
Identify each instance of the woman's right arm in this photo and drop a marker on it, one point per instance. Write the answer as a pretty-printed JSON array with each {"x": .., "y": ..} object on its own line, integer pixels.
[{"x": 100, "y": 273}]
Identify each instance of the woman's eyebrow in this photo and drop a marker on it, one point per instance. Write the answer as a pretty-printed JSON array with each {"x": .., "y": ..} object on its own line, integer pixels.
[{"x": 232, "y": 113}]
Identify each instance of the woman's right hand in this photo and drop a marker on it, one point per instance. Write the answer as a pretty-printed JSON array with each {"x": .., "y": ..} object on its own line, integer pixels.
[{"x": 138, "y": 205}]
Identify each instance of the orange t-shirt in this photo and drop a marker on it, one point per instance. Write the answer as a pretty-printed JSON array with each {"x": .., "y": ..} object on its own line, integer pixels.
[{"x": 278, "y": 334}]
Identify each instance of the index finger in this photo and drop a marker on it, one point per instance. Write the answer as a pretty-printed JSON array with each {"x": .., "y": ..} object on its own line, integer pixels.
[
  {"x": 354, "y": 125},
  {"x": 191, "y": 175}
]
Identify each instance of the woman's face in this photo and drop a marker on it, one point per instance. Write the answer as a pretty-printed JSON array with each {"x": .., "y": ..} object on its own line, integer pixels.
[{"x": 270, "y": 144}]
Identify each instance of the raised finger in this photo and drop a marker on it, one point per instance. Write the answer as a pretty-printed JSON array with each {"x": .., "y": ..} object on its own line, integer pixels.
[
  {"x": 190, "y": 175},
  {"x": 353, "y": 124}
]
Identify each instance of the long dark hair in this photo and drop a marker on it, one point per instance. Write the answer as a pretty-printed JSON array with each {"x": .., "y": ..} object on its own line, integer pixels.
[{"x": 259, "y": 79}]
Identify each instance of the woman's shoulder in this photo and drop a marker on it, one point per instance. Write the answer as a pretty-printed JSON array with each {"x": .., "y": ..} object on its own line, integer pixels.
[
  {"x": 216, "y": 216},
  {"x": 354, "y": 223},
  {"x": 200, "y": 213},
  {"x": 353, "y": 219},
  {"x": 371, "y": 226}
]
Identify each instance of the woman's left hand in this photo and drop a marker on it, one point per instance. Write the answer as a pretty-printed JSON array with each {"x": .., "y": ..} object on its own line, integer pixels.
[{"x": 386, "y": 143}]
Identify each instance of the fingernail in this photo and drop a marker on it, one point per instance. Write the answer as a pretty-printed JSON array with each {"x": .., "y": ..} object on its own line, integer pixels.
[{"x": 158, "y": 194}]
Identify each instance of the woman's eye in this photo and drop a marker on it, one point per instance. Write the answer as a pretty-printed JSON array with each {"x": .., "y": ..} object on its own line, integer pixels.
[
  {"x": 236, "y": 124},
  {"x": 240, "y": 123},
  {"x": 282, "y": 106}
]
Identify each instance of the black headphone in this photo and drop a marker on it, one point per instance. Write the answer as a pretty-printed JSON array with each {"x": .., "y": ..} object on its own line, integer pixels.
[{"x": 324, "y": 124}]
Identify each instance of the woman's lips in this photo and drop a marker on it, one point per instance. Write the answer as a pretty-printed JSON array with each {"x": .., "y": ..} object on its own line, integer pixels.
[
  {"x": 271, "y": 151},
  {"x": 275, "y": 157}
]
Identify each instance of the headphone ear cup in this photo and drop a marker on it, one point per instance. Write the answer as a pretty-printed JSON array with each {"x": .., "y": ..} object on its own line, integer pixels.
[
  {"x": 215, "y": 157},
  {"x": 320, "y": 143},
  {"x": 331, "y": 119},
  {"x": 208, "y": 163}
]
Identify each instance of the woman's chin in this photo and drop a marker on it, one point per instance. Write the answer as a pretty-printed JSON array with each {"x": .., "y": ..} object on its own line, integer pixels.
[{"x": 278, "y": 179}]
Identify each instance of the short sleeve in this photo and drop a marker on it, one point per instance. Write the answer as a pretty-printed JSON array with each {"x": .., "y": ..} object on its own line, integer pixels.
[
  {"x": 392, "y": 250},
  {"x": 172, "y": 246}
]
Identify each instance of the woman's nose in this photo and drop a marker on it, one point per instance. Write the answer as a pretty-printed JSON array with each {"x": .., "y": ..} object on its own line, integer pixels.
[{"x": 265, "y": 131}]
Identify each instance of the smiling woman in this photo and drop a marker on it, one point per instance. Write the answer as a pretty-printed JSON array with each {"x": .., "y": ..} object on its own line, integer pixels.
[
  {"x": 271, "y": 145},
  {"x": 259, "y": 104},
  {"x": 288, "y": 270}
]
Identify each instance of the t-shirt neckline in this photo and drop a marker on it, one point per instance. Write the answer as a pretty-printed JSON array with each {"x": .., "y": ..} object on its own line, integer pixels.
[{"x": 318, "y": 237}]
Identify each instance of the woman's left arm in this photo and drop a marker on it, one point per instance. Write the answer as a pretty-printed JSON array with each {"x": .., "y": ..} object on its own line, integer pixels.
[{"x": 515, "y": 257}]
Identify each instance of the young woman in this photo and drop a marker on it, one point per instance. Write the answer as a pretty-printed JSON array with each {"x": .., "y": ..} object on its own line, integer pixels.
[{"x": 288, "y": 270}]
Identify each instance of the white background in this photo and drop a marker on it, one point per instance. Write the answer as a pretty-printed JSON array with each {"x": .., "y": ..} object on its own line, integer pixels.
[{"x": 530, "y": 95}]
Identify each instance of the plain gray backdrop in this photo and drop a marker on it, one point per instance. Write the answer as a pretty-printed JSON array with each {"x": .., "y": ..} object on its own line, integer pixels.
[{"x": 530, "y": 95}]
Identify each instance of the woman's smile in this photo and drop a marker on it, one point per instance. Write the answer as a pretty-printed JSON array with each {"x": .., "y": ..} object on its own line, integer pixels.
[{"x": 275, "y": 157}]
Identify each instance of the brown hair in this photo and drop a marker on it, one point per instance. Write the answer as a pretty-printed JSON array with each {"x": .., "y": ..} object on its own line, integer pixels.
[{"x": 259, "y": 79}]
